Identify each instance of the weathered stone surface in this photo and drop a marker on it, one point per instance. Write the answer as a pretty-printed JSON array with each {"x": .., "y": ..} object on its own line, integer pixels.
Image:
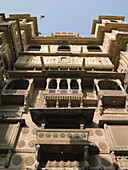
[{"x": 63, "y": 98}]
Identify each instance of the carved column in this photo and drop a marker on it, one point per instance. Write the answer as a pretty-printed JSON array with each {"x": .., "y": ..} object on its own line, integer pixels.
[
  {"x": 69, "y": 85},
  {"x": 37, "y": 152},
  {"x": 45, "y": 103},
  {"x": 47, "y": 83},
  {"x": 69, "y": 103},
  {"x": 37, "y": 156},
  {"x": 83, "y": 64},
  {"x": 8, "y": 158},
  {"x": 42, "y": 63},
  {"x": 114, "y": 160},
  {"x": 57, "y": 103},
  {"x": 58, "y": 85},
  {"x": 86, "y": 164},
  {"x": 120, "y": 85},
  {"x": 79, "y": 84}
]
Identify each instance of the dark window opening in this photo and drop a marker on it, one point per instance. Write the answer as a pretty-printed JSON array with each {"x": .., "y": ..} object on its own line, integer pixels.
[
  {"x": 62, "y": 122},
  {"x": 52, "y": 84},
  {"x": 18, "y": 84},
  {"x": 5, "y": 62},
  {"x": 74, "y": 84},
  {"x": 108, "y": 85},
  {"x": 64, "y": 48},
  {"x": 94, "y": 49},
  {"x": 34, "y": 48},
  {"x": 113, "y": 21},
  {"x": 63, "y": 84},
  {"x": 1, "y": 41}
]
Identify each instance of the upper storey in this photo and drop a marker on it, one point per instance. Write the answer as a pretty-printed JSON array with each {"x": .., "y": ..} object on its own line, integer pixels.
[{"x": 19, "y": 42}]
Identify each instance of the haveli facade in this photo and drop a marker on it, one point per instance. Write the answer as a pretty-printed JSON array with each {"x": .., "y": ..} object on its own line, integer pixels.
[{"x": 63, "y": 98}]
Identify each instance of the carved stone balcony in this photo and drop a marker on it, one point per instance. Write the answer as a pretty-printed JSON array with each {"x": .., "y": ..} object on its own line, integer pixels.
[
  {"x": 17, "y": 91},
  {"x": 63, "y": 94},
  {"x": 57, "y": 136}
]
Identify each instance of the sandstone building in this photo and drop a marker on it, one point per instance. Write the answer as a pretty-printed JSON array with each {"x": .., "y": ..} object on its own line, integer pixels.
[{"x": 63, "y": 98}]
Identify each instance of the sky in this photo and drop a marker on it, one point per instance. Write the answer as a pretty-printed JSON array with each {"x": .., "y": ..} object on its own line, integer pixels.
[{"x": 65, "y": 15}]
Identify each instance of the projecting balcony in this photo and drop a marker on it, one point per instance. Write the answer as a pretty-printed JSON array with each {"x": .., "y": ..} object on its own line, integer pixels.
[
  {"x": 71, "y": 148},
  {"x": 17, "y": 91},
  {"x": 110, "y": 92}
]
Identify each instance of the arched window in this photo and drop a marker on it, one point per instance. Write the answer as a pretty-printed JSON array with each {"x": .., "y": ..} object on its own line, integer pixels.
[
  {"x": 53, "y": 84},
  {"x": 18, "y": 84},
  {"x": 94, "y": 49},
  {"x": 63, "y": 84},
  {"x": 64, "y": 48},
  {"x": 74, "y": 84},
  {"x": 108, "y": 85}
]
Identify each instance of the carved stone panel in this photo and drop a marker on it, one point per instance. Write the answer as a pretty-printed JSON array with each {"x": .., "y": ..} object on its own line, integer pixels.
[
  {"x": 117, "y": 136},
  {"x": 8, "y": 134},
  {"x": 62, "y": 136}
]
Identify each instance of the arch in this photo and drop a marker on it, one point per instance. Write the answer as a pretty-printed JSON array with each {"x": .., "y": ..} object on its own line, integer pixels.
[
  {"x": 18, "y": 84},
  {"x": 52, "y": 84},
  {"x": 63, "y": 84},
  {"x": 108, "y": 85},
  {"x": 64, "y": 48},
  {"x": 74, "y": 84}
]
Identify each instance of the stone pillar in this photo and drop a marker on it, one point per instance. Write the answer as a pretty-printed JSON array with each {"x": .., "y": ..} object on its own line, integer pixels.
[
  {"x": 45, "y": 103},
  {"x": 81, "y": 50},
  {"x": 115, "y": 165},
  {"x": 37, "y": 152},
  {"x": 79, "y": 84},
  {"x": 42, "y": 63},
  {"x": 69, "y": 103},
  {"x": 49, "y": 50},
  {"x": 47, "y": 83},
  {"x": 58, "y": 85},
  {"x": 120, "y": 85},
  {"x": 8, "y": 158},
  {"x": 86, "y": 164},
  {"x": 69, "y": 85},
  {"x": 83, "y": 64},
  {"x": 57, "y": 104}
]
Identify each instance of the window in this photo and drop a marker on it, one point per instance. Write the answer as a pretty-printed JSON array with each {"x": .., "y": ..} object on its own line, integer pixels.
[
  {"x": 63, "y": 84},
  {"x": 52, "y": 84},
  {"x": 64, "y": 48},
  {"x": 34, "y": 48},
  {"x": 18, "y": 84},
  {"x": 74, "y": 84},
  {"x": 113, "y": 21},
  {"x": 94, "y": 49},
  {"x": 108, "y": 85}
]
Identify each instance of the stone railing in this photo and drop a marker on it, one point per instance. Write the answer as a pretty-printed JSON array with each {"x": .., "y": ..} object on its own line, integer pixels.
[
  {"x": 112, "y": 93},
  {"x": 63, "y": 94}
]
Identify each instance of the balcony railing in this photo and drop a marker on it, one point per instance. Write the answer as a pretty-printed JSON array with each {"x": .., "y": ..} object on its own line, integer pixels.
[
  {"x": 64, "y": 94},
  {"x": 57, "y": 136}
]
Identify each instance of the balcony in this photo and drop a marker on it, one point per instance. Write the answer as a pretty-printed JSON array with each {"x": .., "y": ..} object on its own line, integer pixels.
[
  {"x": 68, "y": 136},
  {"x": 63, "y": 94},
  {"x": 17, "y": 92}
]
